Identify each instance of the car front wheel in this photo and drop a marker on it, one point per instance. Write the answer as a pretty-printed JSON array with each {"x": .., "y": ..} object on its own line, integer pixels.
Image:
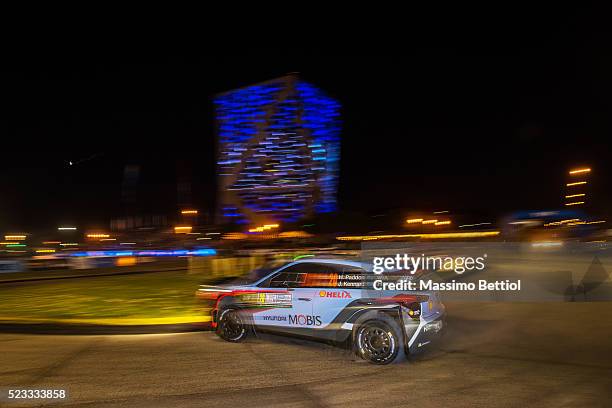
[{"x": 379, "y": 341}]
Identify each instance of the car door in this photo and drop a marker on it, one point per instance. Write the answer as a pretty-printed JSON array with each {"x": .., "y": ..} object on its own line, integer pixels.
[
  {"x": 299, "y": 314},
  {"x": 333, "y": 298}
]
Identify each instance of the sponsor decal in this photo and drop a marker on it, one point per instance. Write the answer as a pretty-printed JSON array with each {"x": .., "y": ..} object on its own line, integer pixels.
[
  {"x": 298, "y": 319},
  {"x": 335, "y": 294},
  {"x": 305, "y": 320},
  {"x": 267, "y": 299},
  {"x": 275, "y": 318}
]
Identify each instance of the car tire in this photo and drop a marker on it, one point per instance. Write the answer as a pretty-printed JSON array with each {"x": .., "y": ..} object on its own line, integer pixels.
[
  {"x": 379, "y": 340},
  {"x": 231, "y": 326}
]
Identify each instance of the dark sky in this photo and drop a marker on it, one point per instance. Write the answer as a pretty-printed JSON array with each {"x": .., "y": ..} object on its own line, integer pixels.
[{"x": 488, "y": 127}]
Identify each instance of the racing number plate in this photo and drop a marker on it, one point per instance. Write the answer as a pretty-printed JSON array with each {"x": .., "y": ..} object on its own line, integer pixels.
[{"x": 268, "y": 299}]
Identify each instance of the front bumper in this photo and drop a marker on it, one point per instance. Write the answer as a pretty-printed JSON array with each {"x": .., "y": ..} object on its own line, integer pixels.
[{"x": 427, "y": 332}]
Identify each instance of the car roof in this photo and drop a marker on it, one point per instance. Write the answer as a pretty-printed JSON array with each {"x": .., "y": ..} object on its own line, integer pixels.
[{"x": 335, "y": 261}]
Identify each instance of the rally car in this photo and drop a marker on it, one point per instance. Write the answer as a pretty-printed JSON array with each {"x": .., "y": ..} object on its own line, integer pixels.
[{"x": 328, "y": 299}]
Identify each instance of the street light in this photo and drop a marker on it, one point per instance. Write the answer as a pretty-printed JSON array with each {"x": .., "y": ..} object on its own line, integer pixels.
[
  {"x": 14, "y": 237},
  {"x": 580, "y": 171},
  {"x": 98, "y": 235},
  {"x": 414, "y": 220},
  {"x": 182, "y": 230}
]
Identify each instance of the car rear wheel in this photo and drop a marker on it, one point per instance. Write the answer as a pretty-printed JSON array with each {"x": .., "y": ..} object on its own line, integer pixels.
[
  {"x": 379, "y": 341},
  {"x": 231, "y": 326}
]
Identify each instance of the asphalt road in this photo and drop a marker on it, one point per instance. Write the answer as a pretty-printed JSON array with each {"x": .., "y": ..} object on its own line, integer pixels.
[{"x": 494, "y": 354}]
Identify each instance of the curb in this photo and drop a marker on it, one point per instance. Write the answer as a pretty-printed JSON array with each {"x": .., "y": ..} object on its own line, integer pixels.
[
  {"x": 105, "y": 325},
  {"x": 90, "y": 329}
]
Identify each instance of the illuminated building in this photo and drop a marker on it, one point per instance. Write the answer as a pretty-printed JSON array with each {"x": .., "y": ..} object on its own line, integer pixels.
[{"x": 279, "y": 150}]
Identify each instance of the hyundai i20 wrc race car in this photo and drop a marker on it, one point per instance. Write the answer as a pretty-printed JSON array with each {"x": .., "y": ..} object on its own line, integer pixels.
[{"x": 327, "y": 299}]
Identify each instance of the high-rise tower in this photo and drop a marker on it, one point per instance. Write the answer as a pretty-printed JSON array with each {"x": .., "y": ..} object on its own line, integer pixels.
[{"x": 279, "y": 150}]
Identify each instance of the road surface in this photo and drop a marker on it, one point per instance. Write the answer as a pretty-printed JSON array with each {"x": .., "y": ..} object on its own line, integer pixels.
[{"x": 494, "y": 354}]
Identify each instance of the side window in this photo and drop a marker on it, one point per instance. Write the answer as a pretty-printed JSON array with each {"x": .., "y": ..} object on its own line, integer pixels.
[
  {"x": 315, "y": 275},
  {"x": 293, "y": 276},
  {"x": 286, "y": 279}
]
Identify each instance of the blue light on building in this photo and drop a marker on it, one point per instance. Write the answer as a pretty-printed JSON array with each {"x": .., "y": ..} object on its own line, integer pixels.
[{"x": 279, "y": 151}]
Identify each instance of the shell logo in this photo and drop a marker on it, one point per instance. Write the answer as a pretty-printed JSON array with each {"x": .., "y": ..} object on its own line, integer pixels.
[{"x": 339, "y": 295}]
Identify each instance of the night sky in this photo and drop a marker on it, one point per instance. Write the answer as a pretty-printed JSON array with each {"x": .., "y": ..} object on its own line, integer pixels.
[{"x": 425, "y": 126}]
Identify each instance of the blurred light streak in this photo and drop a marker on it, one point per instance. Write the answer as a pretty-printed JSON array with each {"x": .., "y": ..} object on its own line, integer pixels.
[
  {"x": 126, "y": 261},
  {"x": 414, "y": 220},
  {"x": 475, "y": 234},
  {"x": 580, "y": 171},
  {"x": 575, "y": 203},
  {"x": 562, "y": 222},
  {"x": 303, "y": 256},
  {"x": 574, "y": 195},
  {"x": 189, "y": 212},
  {"x": 266, "y": 227},
  {"x": 151, "y": 253},
  {"x": 182, "y": 230},
  {"x": 578, "y": 183},
  {"x": 98, "y": 235},
  {"x": 14, "y": 237},
  {"x": 429, "y": 221},
  {"x": 474, "y": 225},
  {"x": 234, "y": 235},
  {"x": 66, "y": 228},
  {"x": 547, "y": 244},
  {"x": 295, "y": 234}
]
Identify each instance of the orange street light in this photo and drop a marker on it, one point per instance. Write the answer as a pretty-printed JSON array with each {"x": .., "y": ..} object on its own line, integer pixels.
[
  {"x": 182, "y": 230},
  {"x": 414, "y": 220},
  {"x": 580, "y": 171}
]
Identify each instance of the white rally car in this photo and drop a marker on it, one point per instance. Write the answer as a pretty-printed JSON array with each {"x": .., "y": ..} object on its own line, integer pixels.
[{"x": 328, "y": 299}]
